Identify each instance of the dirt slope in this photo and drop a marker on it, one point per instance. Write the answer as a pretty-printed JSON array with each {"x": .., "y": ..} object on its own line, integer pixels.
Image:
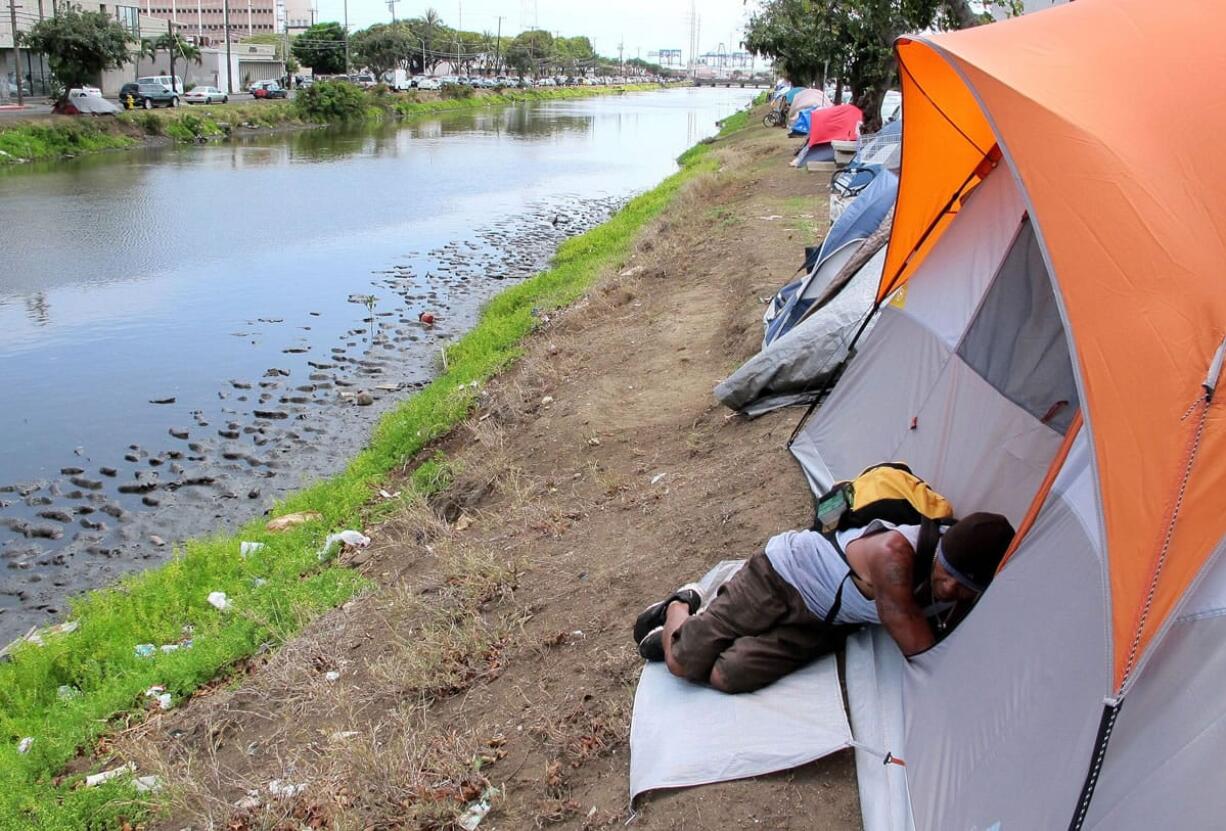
[{"x": 598, "y": 474}]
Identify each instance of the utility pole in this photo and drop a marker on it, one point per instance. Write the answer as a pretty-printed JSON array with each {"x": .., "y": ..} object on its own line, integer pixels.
[
  {"x": 225, "y": 15},
  {"x": 391, "y": 7},
  {"x": 621, "y": 49},
  {"x": 21, "y": 101},
  {"x": 250, "y": 30},
  {"x": 498, "y": 48},
  {"x": 173, "y": 44},
  {"x": 346, "y": 38}
]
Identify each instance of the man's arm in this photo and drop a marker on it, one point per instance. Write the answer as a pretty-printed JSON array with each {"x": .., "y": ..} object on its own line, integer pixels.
[{"x": 902, "y": 617}]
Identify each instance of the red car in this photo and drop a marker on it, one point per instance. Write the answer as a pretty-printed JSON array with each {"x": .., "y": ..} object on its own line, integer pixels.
[{"x": 268, "y": 89}]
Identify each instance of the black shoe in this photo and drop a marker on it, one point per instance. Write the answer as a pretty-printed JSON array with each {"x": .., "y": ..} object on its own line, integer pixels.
[
  {"x": 651, "y": 647},
  {"x": 653, "y": 616}
]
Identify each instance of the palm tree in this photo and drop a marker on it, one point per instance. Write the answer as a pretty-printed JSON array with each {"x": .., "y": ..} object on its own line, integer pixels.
[{"x": 175, "y": 45}]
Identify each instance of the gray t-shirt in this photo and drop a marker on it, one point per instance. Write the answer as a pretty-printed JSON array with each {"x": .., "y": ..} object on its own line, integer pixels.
[{"x": 807, "y": 561}]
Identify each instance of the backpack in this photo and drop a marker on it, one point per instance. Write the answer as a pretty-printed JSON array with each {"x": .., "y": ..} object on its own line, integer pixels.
[
  {"x": 888, "y": 491},
  {"x": 891, "y": 492}
]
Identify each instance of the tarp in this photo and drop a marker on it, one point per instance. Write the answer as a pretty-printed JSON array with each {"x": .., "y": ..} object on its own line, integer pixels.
[
  {"x": 90, "y": 104},
  {"x": 792, "y": 368},
  {"x": 840, "y": 123},
  {"x": 684, "y": 734}
]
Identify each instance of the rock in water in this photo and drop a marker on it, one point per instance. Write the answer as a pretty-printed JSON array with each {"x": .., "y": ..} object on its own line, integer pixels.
[{"x": 364, "y": 399}]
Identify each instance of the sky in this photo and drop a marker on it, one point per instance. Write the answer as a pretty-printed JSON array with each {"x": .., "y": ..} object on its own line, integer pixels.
[{"x": 642, "y": 25}]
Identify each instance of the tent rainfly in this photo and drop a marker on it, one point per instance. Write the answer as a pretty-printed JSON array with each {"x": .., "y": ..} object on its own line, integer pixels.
[
  {"x": 1049, "y": 345},
  {"x": 827, "y": 125}
]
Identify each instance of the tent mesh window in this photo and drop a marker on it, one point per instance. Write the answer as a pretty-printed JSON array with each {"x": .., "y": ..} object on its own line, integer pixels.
[{"x": 1017, "y": 342}]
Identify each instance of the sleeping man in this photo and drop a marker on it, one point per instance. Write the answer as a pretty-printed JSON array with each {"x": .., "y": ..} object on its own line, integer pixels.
[{"x": 796, "y": 600}]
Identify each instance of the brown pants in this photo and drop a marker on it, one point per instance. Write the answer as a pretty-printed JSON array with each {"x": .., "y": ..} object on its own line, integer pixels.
[{"x": 756, "y": 630}]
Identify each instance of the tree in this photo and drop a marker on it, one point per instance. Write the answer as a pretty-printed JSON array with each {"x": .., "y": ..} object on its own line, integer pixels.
[
  {"x": 322, "y": 48},
  {"x": 851, "y": 39},
  {"x": 381, "y": 48},
  {"x": 173, "y": 45},
  {"x": 79, "y": 45},
  {"x": 530, "y": 51},
  {"x": 429, "y": 33}
]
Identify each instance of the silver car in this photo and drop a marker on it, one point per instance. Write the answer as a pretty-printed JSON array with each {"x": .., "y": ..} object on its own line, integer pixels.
[{"x": 205, "y": 95}]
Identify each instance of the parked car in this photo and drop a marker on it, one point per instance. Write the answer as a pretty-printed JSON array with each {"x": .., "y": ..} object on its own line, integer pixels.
[
  {"x": 174, "y": 84},
  {"x": 429, "y": 83},
  {"x": 131, "y": 88},
  {"x": 156, "y": 95},
  {"x": 449, "y": 81},
  {"x": 363, "y": 79},
  {"x": 262, "y": 90},
  {"x": 205, "y": 95}
]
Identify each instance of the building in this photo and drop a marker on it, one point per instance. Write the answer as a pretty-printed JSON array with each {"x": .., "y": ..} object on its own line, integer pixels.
[
  {"x": 36, "y": 78},
  {"x": 205, "y": 20},
  {"x": 300, "y": 15}
]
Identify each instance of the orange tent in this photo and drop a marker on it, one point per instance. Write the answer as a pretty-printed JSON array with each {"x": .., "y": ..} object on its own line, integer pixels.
[{"x": 1128, "y": 198}]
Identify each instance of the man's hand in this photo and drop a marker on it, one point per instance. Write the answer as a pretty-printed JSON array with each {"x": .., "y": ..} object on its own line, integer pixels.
[{"x": 889, "y": 571}]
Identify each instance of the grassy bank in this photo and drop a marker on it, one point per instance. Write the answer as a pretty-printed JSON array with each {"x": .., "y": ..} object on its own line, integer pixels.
[
  {"x": 64, "y": 137},
  {"x": 79, "y": 686}
]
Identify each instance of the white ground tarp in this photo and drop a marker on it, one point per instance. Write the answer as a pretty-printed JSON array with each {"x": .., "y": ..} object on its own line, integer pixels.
[{"x": 683, "y": 734}]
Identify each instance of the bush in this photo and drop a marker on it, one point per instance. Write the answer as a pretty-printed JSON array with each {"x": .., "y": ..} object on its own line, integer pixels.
[
  {"x": 329, "y": 102},
  {"x": 457, "y": 91}
]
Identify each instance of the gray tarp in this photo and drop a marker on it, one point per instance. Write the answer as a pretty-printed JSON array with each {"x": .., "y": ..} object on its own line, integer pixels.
[
  {"x": 794, "y": 366},
  {"x": 90, "y": 104}
]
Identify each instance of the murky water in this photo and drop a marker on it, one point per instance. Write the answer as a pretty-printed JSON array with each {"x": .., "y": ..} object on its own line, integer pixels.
[{"x": 228, "y": 282}]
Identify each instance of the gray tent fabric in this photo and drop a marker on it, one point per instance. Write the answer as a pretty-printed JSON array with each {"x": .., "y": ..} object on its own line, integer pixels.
[
  {"x": 792, "y": 368},
  {"x": 91, "y": 104},
  {"x": 683, "y": 734}
]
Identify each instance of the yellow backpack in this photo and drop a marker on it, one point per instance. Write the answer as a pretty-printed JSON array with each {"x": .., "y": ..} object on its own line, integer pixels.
[{"x": 888, "y": 491}]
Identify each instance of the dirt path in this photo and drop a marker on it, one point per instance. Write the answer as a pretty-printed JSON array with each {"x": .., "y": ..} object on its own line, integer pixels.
[{"x": 597, "y": 475}]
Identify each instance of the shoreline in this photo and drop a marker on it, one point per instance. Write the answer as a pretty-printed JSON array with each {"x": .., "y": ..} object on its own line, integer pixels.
[
  {"x": 281, "y": 588},
  {"x": 61, "y": 138}
]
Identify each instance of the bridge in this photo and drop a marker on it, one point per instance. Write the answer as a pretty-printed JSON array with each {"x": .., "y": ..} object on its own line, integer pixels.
[{"x": 744, "y": 83}]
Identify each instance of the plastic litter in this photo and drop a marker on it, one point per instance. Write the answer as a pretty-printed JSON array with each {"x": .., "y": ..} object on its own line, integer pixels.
[
  {"x": 25, "y": 744},
  {"x": 145, "y": 650},
  {"x": 332, "y": 676},
  {"x": 285, "y": 790},
  {"x": 354, "y": 538},
  {"x": 219, "y": 601},
  {"x": 476, "y": 811},
  {"x": 147, "y": 784},
  {"x": 165, "y": 702},
  {"x": 259, "y": 581},
  {"x": 96, "y": 779},
  {"x": 656, "y": 479},
  {"x": 67, "y": 692},
  {"x": 246, "y": 549}
]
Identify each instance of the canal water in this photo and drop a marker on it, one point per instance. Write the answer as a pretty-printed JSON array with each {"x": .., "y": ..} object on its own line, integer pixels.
[{"x": 185, "y": 333}]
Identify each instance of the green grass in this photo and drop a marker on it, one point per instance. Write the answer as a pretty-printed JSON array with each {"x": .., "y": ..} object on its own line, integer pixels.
[
  {"x": 98, "y": 660},
  {"x": 35, "y": 141}
]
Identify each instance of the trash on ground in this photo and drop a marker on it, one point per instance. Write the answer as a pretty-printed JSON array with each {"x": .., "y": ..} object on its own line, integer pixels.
[
  {"x": 285, "y": 790},
  {"x": 250, "y": 802},
  {"x": 352, "y": 538},
  {"x": 145, "y": 650},
  {"x": 656, "y": 479},
  {"x": 96, "y": 779},
  {"x": 147, "y": 784},
  {"x": 332, "y": 675},
  {"x": 67, "y": 692},
  {"x": 387, "y": 495},
  {"x": 246, "y": 549},
  {"x": 219, "y": 601},
  {"x": 25, "y": 744},
  {"x": 476, "y": 811},
  {"x": 281, "y": 523},
  {"x": 258, "y": 582}
]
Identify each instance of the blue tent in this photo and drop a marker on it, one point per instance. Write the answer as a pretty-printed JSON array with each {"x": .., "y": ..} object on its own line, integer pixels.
[
  {"x": 801, "y": 127},
  {"x": 861, "y": 218}
]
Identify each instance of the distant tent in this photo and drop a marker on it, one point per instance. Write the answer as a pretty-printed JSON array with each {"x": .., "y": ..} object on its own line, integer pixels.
[
  {"x": 857, "y": 223},
  {"x": 1049, "y": 346},
  {"x": 880, "y": 151},
  {"x": 801, "y": 106},
  {"x": 827, "y": 125}
]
